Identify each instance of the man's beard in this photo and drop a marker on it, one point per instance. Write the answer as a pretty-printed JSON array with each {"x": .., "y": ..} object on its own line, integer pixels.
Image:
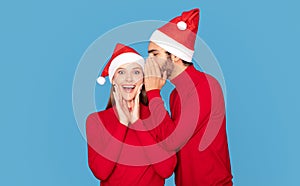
[{"x": 167, "y": 66}]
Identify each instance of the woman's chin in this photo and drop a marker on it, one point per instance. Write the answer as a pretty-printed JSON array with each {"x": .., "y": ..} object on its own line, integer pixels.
[{"x": 129, "y": 97}]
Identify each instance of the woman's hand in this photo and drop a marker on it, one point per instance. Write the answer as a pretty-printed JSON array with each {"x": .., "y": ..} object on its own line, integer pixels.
[
  {"x": 135, "y": 114},
  {"x": 122, "y": 109}
]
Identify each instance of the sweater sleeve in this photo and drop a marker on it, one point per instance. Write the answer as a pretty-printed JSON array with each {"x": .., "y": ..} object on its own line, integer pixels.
[
  {"x": 217, "y": 114},
  {"x": 159, "y": 123},
  {"x": 155, "y": 153},
  {"x": 175, "y": 131},
  {"x": 101, "y": 145}
]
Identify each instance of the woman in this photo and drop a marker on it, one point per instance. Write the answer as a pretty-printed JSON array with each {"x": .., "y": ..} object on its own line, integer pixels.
[{"x": 115, "y": 149}]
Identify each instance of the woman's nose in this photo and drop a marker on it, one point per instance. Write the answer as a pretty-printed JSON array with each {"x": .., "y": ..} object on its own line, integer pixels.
[{"x": 128, "y": 77}]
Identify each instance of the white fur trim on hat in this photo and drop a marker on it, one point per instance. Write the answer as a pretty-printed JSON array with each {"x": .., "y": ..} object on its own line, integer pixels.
[
  {"x": 101, "y": 80},
  {"x": 172, "y": 46},
  {"x": 122, "y": 59}
]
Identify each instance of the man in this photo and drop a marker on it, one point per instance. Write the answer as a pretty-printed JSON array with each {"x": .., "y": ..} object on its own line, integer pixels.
[{"x": 197, "y": 126}]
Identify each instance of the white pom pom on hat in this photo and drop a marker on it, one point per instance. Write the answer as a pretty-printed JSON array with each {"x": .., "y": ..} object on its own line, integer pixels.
[
  {"x": 122, "y": 54},
  {"x": 101, "y": 80},
  {"x": 181, "y": 25}
]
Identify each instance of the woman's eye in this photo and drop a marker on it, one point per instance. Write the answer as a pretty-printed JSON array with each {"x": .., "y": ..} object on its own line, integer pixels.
[
  {"x": 137, "y": 72},
  {"x": 121, "y": 72}
]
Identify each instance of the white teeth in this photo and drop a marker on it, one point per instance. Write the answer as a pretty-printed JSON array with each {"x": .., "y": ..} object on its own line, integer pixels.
[{"x": 128, "y": 86}]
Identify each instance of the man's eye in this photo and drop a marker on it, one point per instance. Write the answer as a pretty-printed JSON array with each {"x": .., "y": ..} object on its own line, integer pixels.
[{"x": 153, "y": 54}]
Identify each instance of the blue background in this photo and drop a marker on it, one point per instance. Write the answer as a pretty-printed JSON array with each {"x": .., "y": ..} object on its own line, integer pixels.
[{"x": 41, "y": 43}]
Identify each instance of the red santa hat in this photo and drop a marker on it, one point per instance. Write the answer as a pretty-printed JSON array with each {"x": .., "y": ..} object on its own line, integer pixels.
[
  {"x": 178, "y": 36},
  {"x": 122, "y": 54}
]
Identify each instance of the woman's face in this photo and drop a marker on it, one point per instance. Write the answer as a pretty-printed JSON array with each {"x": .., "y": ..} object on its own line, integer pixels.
[{"x": 128, "y": 78}]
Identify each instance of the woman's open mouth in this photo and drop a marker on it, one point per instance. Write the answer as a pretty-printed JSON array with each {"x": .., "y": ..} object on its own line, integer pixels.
[{"x": 128, "y": 88}]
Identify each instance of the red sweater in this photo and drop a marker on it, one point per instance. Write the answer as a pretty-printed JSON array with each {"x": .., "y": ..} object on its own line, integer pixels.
[
  {"x": 198, "y": 115},
  {"x": 112, "y": 162}
]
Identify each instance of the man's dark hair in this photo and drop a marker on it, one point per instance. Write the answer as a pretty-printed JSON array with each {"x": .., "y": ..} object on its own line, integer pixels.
[{"x": 185, "y": 63}]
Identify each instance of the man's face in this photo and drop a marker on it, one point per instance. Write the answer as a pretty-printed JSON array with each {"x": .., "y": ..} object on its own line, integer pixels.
[{"x": 162, "y": 57}]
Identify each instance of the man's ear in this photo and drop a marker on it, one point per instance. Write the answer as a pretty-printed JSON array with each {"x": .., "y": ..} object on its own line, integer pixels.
[{"x": 175, "y": 59}]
